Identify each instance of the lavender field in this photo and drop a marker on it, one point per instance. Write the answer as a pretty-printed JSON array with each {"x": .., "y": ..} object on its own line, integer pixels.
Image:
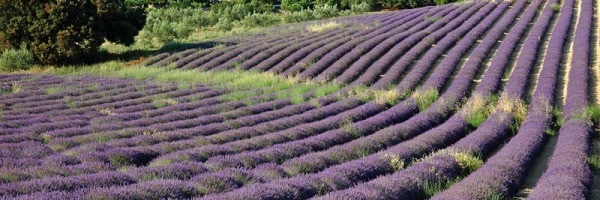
[{"x": 475, "y": 100}]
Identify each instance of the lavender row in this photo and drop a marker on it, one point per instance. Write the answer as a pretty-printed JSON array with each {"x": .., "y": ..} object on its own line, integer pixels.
[
  {"x": 302, "y": 59},
  {"x": 313, "y": 159},
  {"x": 337, "y": 32},
  {"x": 347, "y": 53},
  {"x": 297, "y": 51},
  {"x": 218, "y": 52},
  {"x": 427, "y": 61},
  {"x": 519, "y": 153},
  {"x": 267, "y": 129},
  {"x": 37, "y": 184},
  {"x": 416, "y": 121},
  {"x": 366, "y": 47},
  {"x": 319, "y": 54},
  {"x": 568, "y": 174},
  {"x": 399, "y": 66},
  {"x": 236, "y": 52},
  {"x": 323, "y": 163},
  {"x": 173, "y": 57},
  {"x": 388, "y": 46}
]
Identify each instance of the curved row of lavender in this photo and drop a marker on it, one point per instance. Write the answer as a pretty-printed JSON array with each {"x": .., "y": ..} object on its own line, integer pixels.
[
  {"x": 568, "y": 174},
  {"x": 84, "y": 137}
]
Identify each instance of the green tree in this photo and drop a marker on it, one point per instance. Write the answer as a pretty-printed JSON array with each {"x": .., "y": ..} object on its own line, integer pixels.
[
  {"x": 67, "y": 31},
  {"x": 295, "y": 5}
]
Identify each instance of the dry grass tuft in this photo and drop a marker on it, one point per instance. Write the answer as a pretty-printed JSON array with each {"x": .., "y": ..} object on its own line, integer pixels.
[
  {"x": 317, "y": 28},
  {"x": 514, "y": 106}
]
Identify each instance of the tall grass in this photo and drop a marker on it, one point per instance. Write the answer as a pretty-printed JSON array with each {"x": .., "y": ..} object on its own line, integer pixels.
[{"x": 241, "y": 84}]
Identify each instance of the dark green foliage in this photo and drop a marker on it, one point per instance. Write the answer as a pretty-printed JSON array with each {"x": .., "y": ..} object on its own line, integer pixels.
[
  {"x": 68, "y": 31},
  {"x": 343, "y": 4},
  {"x": 119, "y": 23},
  {"x": 165, "y": 25},
  {"x": 404, "y": 4},
  {"x": 295, "y": 5},
  {"x": 347, "y": 4},
  {"x": 556, "y": 7},
  {"x": 240, "y": 8},
  {"x": 169, "y": 3}
]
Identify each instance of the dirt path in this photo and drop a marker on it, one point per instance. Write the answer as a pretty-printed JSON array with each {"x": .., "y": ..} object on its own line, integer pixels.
[
  {"x": 539, "y": 167},
  {"x": 595, "y": 57}
]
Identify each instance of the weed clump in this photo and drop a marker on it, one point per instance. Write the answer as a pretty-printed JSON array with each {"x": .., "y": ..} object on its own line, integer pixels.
[
  {"x": 426, "y": 98},
  {"x": 478, "y": 108}
]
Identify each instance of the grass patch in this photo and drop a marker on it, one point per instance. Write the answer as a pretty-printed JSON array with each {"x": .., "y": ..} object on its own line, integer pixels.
[
  {"x": 15, "y": 87},
  {"x": 468, "y": 162},
  {"x": 161, "y": 102},
  {"x": 106, "y": 111},
  {"x": 382, "y": 97},
  {"x": 70, "y": 102},
  {"x": 557, "y": 114},
  {"x": 426, "y": 98},
  {"x": 327, "y": 89},
  {"x": 516, "y": 108},
  {"x": 54, "y": 90},
  {"x": 234, "y": 80},
  {"x": 432, "y": 188},
  {"x": 593, "y": 113},
  {"x": 556, "y": 7},
  {"x": 346, "y": 125},
  {"x": 395, "y": 161},
  {"x": 92, "y": 87},
  {"x": 5, "y": 91},
  {"x": 590, "y": 113},
  {"x": 594, "y": 162},
  {"x": 315, "y": 103},
  {"x": 478, "y": 108},
  {"x": 317, "y": 28}
]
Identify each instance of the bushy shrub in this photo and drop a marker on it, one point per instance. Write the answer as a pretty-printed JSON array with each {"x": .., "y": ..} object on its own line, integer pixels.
[
  {"x": 295, "y": 5},
  {"x": 556, "y": 7},
  {"x": 260, "y": 20},
  {"x": 348, "y": 4},
  {"x": 360, "y": 8},
  {"x": 237, "y": 10},
  {"x": 16, "y": 59},
  {"x": 169, "y": 3},
  {"x": 326, "y": 11},
  {"x": 164, "y": 25},
  {"x": 299, "y": 16},
  {"x": 168, "y": 24},
  {"x": 67, "y": 31},
  {"x": 224, "y": 24},
  {"x": 405, "y": 4},
  {"x": 344, "y": 4},
  {"x": 326, "y": 2}
]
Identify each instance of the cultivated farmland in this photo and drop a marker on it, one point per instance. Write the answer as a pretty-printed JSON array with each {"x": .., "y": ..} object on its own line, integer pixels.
[{"x": 476, "y": 100}]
